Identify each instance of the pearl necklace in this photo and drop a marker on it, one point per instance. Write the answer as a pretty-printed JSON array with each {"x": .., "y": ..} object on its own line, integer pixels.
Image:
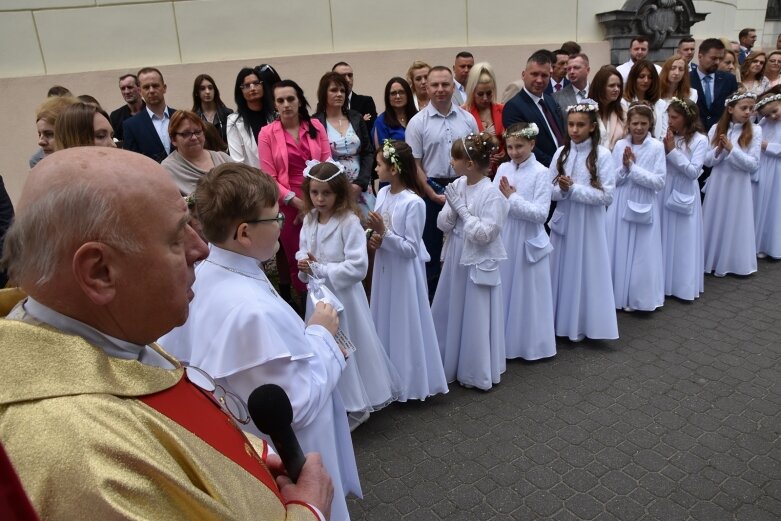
[{"x": 237, "y": 272}]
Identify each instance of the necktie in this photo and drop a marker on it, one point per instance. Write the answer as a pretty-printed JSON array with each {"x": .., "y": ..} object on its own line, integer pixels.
[
  {"x": 582, "y": 94},
  {"x": 552, "y": 123},
  {"x": 706, "y": 90},
  {"x": 558, "y": 87}
]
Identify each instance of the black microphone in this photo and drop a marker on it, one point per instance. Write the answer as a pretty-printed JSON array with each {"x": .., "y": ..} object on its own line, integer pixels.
[{"x": 270, "y": 409}]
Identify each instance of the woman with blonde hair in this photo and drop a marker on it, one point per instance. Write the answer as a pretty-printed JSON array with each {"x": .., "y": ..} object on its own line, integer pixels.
[
  {"x": 729, "y": 63},
  {"x": 480, "y": 102},
  {"x": 416, "y": 77},
  {"x": 45, "y": 117}
]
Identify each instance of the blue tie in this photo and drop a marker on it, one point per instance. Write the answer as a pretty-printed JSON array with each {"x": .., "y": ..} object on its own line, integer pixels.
[{"x": 706, "y": 90}]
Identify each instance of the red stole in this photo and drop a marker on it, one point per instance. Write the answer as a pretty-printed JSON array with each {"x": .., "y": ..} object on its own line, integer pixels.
[
  {"x": 14, "y": 504},
  {"x": 196, "y": 411}
]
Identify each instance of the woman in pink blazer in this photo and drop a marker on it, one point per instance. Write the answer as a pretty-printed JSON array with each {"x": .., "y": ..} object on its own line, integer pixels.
[{"x": 284, "y": 147}]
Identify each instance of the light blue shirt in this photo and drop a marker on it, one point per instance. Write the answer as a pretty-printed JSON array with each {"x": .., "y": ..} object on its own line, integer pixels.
[
  {"x": 709, "y": 85},
  {"x": 430, "y": 135},
  {"x": 161, "y": 126}
]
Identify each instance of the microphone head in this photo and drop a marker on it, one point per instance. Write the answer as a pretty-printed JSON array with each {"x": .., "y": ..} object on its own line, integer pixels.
[{"x": 270, "y": 408}]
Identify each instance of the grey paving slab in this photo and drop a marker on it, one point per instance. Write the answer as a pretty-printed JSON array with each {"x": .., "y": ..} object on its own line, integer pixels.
[{"x": 678, "y": 419}]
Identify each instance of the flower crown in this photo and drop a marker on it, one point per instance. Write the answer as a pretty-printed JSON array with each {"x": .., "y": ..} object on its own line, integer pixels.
[
  {"x": 529, "y": 132},
  {"x": 764, "y": 101},
  {"x": 310, "y": 164},
  {"x": 586, "y": 105},
  {"x": 682, "y": 103},
  {"x": 739, "y": 96},
  {"x": 389, "y": 153}
]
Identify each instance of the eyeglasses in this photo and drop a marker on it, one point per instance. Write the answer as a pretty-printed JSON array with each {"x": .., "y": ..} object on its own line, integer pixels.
[
  {"x": 254, "y": 84},
  {"x": 279, "y": 219},
  {"x": 188, "y": 135},
  {"x": 397, "y": 93},
  {"x": 229, "y": 402}
]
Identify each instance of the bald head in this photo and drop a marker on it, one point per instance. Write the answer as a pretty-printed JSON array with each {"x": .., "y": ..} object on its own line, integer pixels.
[
  {"x": 117, "y": 173},
  {"x": 90, "y": 226}
]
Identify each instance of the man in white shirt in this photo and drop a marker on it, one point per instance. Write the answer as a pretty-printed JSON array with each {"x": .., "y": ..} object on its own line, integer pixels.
[
  {"x": 638, "y": 50},
  {"x": 464, "y": 63}
]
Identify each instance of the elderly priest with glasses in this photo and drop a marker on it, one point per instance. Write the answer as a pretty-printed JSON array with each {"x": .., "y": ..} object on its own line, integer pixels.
[{"x": 98, "y": 421}]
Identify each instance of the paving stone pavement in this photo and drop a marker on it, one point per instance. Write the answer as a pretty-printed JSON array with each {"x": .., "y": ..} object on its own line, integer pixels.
[{"x": 678, "y": 419}]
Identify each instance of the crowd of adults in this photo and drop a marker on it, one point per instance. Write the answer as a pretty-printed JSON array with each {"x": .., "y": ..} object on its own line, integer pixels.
[{"x": 115, "y": 271}]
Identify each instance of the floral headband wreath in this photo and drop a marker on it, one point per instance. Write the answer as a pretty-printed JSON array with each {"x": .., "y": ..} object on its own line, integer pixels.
[
  {"x": 530, "y": 132},
  {"x": 310, "y": 164},
  {"x": 769, "y": 99},
  {"x": 389, "y": 153},
  {"x": 587, "y": 105},
  {"x": 684, "y": 106},
  {"x": 739, "y": 96}
]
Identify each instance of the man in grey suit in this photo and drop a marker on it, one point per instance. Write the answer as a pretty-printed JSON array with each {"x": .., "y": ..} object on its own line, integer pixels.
[{"x": 577, "y": 90}]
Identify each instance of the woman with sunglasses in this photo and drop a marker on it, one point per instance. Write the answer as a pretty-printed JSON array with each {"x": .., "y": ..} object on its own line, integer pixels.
[{"x": 190, "y": 161}]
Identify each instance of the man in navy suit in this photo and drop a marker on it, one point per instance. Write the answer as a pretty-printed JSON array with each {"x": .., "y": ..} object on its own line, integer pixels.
[
  {"x": 747, "y": 38},
  {"x": 558, "y": 74},
  {"x": 531, "y": 105},
  {"x": 147, "y": 131},
  {"x": 713, "y": 86}
]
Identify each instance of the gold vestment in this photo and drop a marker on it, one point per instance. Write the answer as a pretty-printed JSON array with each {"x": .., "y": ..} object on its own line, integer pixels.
[{"x": 85, "y": 448}]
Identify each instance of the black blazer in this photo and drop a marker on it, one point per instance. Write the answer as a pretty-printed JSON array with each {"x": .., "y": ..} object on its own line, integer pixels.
[
  {"x": 119, "y": 116},
  {"x": 140, "y": 136},
  {"x": 364, "y": 105},
  {"x": 366, "y": 152},
  {"x": 724, "y": 84},
  {"x": 522, "y": 108}
]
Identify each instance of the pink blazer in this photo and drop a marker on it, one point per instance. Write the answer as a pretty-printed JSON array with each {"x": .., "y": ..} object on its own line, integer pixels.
[{"x": 272, "y": 151}]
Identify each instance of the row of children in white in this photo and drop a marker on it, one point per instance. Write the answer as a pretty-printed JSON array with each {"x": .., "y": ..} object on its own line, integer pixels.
[{"x": 507, "y": 289}]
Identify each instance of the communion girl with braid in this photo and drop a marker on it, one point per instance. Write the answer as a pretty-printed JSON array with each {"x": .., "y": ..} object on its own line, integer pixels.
[
  {"x": 583, "y": 178},
  {"x": 468, "y": 305}
]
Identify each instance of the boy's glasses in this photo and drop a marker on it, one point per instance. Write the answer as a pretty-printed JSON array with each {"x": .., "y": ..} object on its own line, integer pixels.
[{"x": 279, "y": 219}]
